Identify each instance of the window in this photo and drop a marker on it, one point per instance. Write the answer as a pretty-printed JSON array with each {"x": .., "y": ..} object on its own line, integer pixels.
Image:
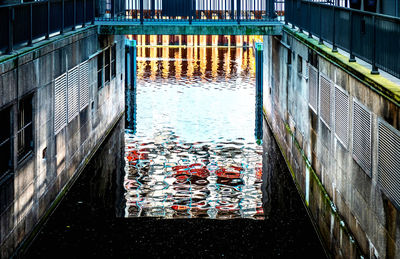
[
  {"x": 289, "y": 57},
  {"x": 25, "y": 128},
  {"x": 5, "y": 142},
  {"x": 107, "y": 65},
  {"x": 113, "y": 61},
  {"x": 100, "y": 70},
  {"x": 299, "y": 64}
]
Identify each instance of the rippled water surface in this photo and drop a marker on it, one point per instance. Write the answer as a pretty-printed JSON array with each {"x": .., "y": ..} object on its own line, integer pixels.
[{"x": 193, "y": 152}]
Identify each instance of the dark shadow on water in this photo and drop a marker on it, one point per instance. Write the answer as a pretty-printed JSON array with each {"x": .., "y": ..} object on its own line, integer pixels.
[{"x": 85, "y": 225}]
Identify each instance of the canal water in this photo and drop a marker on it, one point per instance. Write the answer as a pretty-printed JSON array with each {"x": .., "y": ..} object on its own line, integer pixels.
[{"x": 189, "y": 178}]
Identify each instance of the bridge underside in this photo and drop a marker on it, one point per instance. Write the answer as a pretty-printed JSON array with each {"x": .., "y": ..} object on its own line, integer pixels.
[{"x": 183, "y": 28}]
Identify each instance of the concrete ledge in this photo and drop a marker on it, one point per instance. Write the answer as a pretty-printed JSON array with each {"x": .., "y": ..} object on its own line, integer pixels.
[
  {"x": 183, "y": 28},
  {"x": 378, "y": 83}
]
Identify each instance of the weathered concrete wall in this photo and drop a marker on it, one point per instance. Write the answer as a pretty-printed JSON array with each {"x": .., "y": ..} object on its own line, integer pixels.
[
  {"x": 36, "y": 182},
  {"x": 354, "y": 214}
]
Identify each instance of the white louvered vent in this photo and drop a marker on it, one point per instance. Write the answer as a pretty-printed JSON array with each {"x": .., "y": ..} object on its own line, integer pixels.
[
  {"x": 73, "y": 93},
  {"x": 84, "y": 84},
  {"x": 342, "y": 116},
  {"x": 362, "y": 125},
  {"x": 60, "y": 103},
  {"x": 388, "y": 160},
  {"x": 313, "y": 88},
  {"x": 325, "y": 99}
]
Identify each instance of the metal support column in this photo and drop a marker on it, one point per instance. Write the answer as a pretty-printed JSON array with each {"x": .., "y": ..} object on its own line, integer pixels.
[
  {"x": 130, "y": 84},
  {"x": 259, "y": 91}
]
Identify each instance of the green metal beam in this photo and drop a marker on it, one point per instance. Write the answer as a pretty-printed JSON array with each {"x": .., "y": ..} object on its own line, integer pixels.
[{"x": 206, "y": 28}]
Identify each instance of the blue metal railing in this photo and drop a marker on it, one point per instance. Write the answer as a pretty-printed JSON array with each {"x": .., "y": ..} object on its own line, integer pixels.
[
  {"x": 21, "y": 24},
  {"x": 372, "y": 37},
  {"x": 191, "y": 10}
]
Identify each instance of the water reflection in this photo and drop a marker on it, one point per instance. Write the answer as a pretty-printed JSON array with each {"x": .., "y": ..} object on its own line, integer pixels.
[{"x": 194, "y": 152}]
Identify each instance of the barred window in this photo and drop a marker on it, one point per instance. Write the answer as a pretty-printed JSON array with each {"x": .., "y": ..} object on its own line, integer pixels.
[
  {"x": 100, "y": 70},
  {"x": 25, "y": 128},
  {"x": 107, "y": 65},
  {"x": 113, "y": 61},
  {"x": 5, "y": 142}
]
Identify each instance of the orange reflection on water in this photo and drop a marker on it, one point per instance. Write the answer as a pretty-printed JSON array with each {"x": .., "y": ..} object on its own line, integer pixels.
[{"x": 200, "y": 60}]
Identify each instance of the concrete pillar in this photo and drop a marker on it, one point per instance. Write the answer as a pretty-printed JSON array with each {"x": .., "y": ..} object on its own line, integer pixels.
[
  {"x": 259, "y": 91},
  {"x": 130, "y": 85}
]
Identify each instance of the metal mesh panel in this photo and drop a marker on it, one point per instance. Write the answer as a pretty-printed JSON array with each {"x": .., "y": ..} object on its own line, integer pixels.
[
  {"x": 313, "y": 88},
  {"x": 73, "y": 93},
  {"x": 342, "y": 116},
  {"x": 362, "y": 121},
  {"x": 325, "y": 99},
  {"x": 84, "y": 84},
  {"x": 388, "y": 160},
  {"x": 60, "y": 103}
]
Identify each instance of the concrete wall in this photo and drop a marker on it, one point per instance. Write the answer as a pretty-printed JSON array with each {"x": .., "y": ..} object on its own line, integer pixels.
[
  {"x": 35, "y": 183},
  {"x": 354, "y": 214}
]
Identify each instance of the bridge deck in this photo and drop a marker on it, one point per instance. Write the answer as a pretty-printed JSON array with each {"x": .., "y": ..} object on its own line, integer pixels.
[{"x": 122, "y": 27}]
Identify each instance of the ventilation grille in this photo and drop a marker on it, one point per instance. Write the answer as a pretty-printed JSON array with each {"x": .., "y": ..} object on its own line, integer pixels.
[
  {"x": 325, "y": 100},
  {"x": 313, "y": 85},
  {"x": 84, "y": 85},
  {"x": 388, "y": 161},
  {"x": 73, "y": 93},
  {"x": 342, "y": 116},
  {"x": 60, "y": 103},
  {"x": 362, "y": 137}
]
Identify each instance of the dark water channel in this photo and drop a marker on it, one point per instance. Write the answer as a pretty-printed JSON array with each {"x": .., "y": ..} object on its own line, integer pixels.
[{"x": 189, "y": 179}]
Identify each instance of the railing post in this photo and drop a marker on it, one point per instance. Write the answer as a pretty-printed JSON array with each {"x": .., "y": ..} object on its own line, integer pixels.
[
  {"x": 94, "y": 10},
  {"x": 352, "y": 57},
  {"x": 309, "y": 20},
  {"x": 238, "y": 11},
  {"x": 62, "y": 16},
  {"x": 320, "y": 26},
  {"x": 374, "y": 70},
  {"x": 84, "y": 13},
  {"x": 30, "y": 25},
  {"x": 10, "y": 30},
  {"x": 190, "y": 11},
  {"x": 74, "y": 24},
  {"x": 48, "y": 20},
  {"x": 141, "y": 12},
  {"x": 112, "y": 9},
  {"x": 232, "y": 9},
  {"x": 293, "y": 26},
  {"x": 334, "y": 47},
  {"x": 153, "y": 8},
  {"x": 271, "y": 9}
]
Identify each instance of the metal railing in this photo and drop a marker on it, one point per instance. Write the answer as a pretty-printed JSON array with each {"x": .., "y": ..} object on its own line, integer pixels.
[
  {"x": 21, "y": 24},
  {"x": 372, "y": 37},
  {"x": 191, "y": 10}
]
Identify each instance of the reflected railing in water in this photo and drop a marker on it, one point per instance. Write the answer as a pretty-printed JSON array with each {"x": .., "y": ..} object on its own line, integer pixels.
[{"x": 193, "y": 153}]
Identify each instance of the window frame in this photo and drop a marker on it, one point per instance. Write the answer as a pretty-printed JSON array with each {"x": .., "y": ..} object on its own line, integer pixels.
[
  {"x": 26, "y": 149},
  {"x": 107, "y": 65},
  {"x": 113, "y": 62},
  {"x": 10, "y": 140},
  {"x": 100, "y": 58}
]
